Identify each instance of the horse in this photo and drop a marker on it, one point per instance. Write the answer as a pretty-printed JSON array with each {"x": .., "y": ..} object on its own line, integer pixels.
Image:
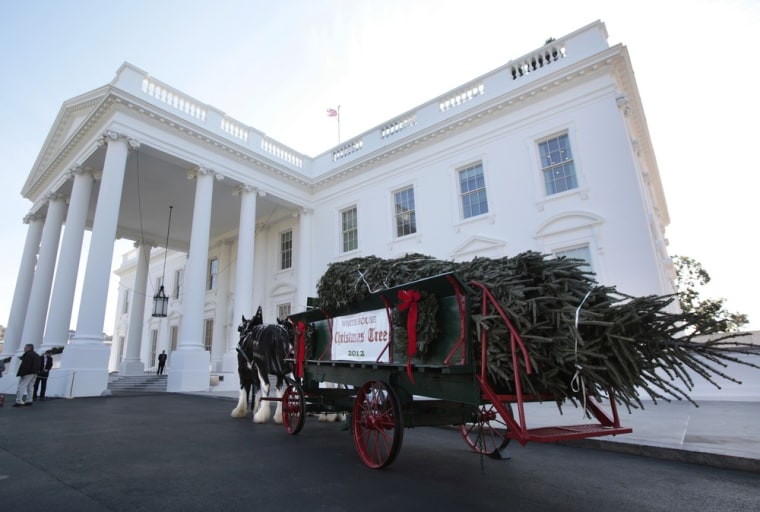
[{"x": 262, "y": 350}]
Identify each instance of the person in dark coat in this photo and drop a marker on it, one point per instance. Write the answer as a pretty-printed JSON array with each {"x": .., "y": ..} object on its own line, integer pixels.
[
  {"x": 46, "y": 364},
  {"x": 161, "y": 362},
  {"x": 27, "y": 375}
]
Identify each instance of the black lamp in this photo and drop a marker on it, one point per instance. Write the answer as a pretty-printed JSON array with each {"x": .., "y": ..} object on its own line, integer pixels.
[{"x": 160, "y": 300}]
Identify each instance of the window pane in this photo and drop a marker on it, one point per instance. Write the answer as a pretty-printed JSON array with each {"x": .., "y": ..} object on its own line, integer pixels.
[
  {"x": 283, "y": 310},
  {"x": 286, "y": 249},
  {"x": 557, "y": 165},
  {"x": 179, "y": 277},
  {"x": 406, "y": 219},
  {"x": 473, "y": 191},
  {"x": 350, "y": 229},
  {"x": 578, "y": 253},
  {"x": 213, "y": 270},
  {"x": 208, "y": 334}
]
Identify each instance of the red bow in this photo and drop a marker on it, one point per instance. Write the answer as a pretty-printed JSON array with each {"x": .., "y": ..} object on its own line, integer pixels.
[
  {"x": 300, "y": 348},
  {"x": 409, "y": 299}
]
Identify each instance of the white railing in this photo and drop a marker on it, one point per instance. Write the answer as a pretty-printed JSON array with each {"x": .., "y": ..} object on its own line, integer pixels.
[
  {"x": 282, "y": 153},
  {"x": 235, "y": 129},
  {"x": 462, "y": 97},
  {"x": 547, "y": 55},
  {"x": 398, "y": 125},
  {"x": 174, "y": 99},
  {"x": 347, "y": 149}
]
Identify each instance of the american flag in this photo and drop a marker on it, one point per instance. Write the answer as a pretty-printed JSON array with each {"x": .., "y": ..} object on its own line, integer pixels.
[{"x": 331, "y": 112}]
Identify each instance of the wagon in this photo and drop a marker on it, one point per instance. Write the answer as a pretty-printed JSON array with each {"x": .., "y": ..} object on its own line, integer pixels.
[{"x": 385, "y": 386}]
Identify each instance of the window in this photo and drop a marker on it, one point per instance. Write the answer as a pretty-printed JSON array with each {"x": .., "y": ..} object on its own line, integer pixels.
[
  {"x": 173, "y": 337},
  {"x": 179, "y": 277},
  {"x": 213, "y": 271},
  {"x": 472, "y": 187},
  {"x": 208, "y": 333},
  {"x": 122, "y": 342},
  {"x": 125, "y": 304},
  {"x": 557, "y": 165},
  {"x": 578, "y": 253},
  {"x": 286, "y": 249},
  {"x": 153, "y": 345},
  {"x": 283, "y": 310},
  {"x": 406, "y": 219},
  {"x": 350, "y": 229}
]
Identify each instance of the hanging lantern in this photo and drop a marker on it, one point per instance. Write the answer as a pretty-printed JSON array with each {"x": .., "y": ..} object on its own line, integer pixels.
[
  {"x": 160, "y": 303},
  {"x": 160, "y": 300}
]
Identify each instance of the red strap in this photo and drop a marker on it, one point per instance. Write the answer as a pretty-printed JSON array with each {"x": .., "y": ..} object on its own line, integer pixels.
[
  {"x": 409, "y": 299},
  {"x": 300, "y": 348}
]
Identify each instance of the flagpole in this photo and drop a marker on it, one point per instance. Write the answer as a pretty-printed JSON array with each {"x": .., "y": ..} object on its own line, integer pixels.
[{"x": 338, "y": 125}]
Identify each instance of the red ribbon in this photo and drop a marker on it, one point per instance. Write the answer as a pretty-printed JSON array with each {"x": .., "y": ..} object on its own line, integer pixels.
[
  {"x": 409, "y": 299},
  {"x": 300, "y": 348}
]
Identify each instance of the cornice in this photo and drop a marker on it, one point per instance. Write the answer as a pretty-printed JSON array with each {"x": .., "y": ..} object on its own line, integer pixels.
[{"x": 117, "y": 99}]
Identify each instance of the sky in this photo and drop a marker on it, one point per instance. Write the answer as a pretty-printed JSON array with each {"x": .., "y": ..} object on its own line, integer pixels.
[{"x": 278, "y": 65}]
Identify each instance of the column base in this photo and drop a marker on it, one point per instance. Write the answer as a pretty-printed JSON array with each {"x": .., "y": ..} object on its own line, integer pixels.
[
  {"x": 189, "y": 371},
  {"x": 83, "y": 371},
  {"x": 131, "y": 368}
]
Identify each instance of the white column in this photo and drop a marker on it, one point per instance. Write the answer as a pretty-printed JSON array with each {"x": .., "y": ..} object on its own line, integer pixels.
[
  {"x": 85, "y": 360},
  {"x": 24, "y": 281},
  {"x": 243, "y": 305},
  {"x": 39, "y": 299},
  {"x": 190, "y": 362},
  {"x": 132, "y": 365},
  {"x": 221, "y": 318},
  {"x": 62, "y": 300},
  {"x": 304, "y": 259}
]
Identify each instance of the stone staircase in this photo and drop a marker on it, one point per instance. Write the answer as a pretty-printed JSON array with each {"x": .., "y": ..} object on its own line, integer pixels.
[{"x": 147, "y": 383}]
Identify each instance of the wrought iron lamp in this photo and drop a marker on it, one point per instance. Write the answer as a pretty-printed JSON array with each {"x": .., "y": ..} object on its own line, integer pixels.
[{"x": 160, "y": 300}]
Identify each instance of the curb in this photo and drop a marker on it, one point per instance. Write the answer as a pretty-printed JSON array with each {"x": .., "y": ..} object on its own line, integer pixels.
[{"x": 672, "y": 454}]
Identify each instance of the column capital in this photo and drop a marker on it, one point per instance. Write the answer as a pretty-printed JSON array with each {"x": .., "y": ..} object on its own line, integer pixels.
[
  {"x": 305, "y": 211},
  {"x": 78, "y": 170},
  {"x": 247, "y": 189},
  {"x": 31, "y": 217},
  {"x": 53, "y": 196},
  {"x": 203, "y": 171},
  {"x": 114, "y": 136}
]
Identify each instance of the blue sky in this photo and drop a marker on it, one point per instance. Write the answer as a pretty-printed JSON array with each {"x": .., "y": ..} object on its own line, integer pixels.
[{"x": 277, "y": 66}]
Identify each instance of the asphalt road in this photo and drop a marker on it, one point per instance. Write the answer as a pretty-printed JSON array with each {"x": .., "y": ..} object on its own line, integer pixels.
[{"x": 169, "y": 452}]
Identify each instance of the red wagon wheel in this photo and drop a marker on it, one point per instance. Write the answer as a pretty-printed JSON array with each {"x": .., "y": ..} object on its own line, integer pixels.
[
  {"x": 488, "y": 433},
  {"x": 293, "y": 409},
  {"x": 377, "y": 424}
]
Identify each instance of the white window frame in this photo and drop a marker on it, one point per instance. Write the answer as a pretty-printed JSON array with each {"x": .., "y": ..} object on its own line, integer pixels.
[
  {"x": 570, "y": 250},
  {"x": 283, "y": 310},
  {"x": 208, "y": 333},
  {"x": 285, "y": 250},
  {"x": 469, "y": 193},
  {"x": 396, "y": 214},
  {"x": 352, "y": 232},
  {"x": 179, "y": 278},
  {"x": 212, "y": 274},
  {"x": 554, "y": 166}
]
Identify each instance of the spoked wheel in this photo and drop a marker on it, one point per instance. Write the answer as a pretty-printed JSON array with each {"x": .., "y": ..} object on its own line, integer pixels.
[
  {"x": 293, "y": 408},
  {"x": 488, "y": 434},
  {"x": 377, "y": 424}
]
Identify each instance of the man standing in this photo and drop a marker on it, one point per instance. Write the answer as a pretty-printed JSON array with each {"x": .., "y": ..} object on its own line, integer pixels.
[
  {"x": 161, "y": 362},
  {"x": 46, "y": 364},
  {"x": 27, "y": 374}
]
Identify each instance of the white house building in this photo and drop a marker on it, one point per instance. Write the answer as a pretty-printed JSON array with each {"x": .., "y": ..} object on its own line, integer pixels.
[{"x": 549, "y": 152}]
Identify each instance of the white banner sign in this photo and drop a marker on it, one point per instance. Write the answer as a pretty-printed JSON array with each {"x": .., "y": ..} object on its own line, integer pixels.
[{"x": 361, "y": 337}]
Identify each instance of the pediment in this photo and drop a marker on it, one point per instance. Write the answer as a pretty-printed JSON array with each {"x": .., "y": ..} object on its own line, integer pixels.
[
  {"x": 478, "y": 246},
  {"x": 70, "y": 122},
  {"x": 566, "y": 222}
]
